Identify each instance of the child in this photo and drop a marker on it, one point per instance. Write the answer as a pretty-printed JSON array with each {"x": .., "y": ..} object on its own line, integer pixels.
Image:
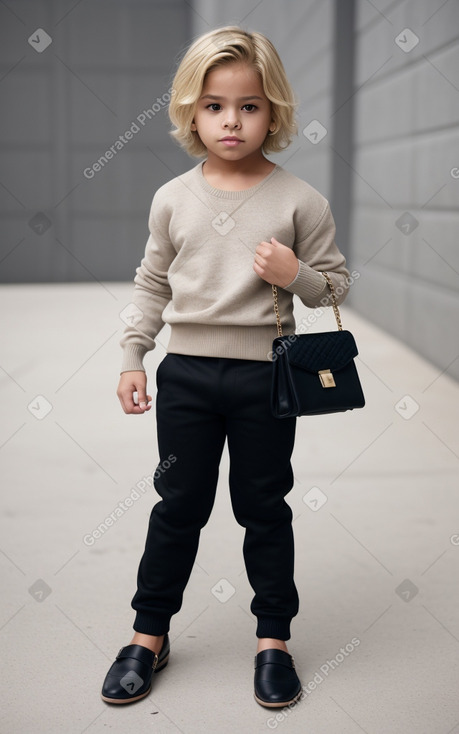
[{"x": 220, "y": 235}]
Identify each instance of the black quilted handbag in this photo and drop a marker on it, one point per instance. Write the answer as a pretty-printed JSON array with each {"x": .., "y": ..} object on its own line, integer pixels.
[{"x": 314, "y": 373}]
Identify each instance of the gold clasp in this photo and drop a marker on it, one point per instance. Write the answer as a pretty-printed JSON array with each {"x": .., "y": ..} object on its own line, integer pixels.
[{"x": 326, "y": 378}]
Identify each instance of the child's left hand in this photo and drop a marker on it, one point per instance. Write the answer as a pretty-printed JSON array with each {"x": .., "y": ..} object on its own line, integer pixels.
[{"x": 275, "y": 263}]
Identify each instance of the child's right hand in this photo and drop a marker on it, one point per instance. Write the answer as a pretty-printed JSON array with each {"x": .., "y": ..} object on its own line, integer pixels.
[{"x": 128, "y": 384}]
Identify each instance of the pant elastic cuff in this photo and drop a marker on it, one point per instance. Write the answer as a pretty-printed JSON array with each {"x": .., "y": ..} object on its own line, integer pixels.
[
  {"x": 276, "y": 627},
  {"x": 148, "y": 624}
]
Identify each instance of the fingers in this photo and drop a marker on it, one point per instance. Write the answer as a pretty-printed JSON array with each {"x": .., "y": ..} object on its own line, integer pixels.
[
  {"x": 130, "y": 383},
  {"x": 275, "y": 263},
  {"x": 261, "y": 264},
  {"x": 268, "y": 247},
  {"x": 264, "y": 249},
  {"x": 141, "y": 399},
  {"x": 130, "y": 405},
  {"x": 263, "y": 272},
  {"x": 262, "y": 254}
]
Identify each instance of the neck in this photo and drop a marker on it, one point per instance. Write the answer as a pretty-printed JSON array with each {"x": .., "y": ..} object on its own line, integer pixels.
[{"x": 251, "y": 165}]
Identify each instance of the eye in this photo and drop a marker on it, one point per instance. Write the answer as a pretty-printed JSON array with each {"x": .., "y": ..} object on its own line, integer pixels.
[
  {"x": 214, "y": 107},
  {"x": 251, "y": 106}
]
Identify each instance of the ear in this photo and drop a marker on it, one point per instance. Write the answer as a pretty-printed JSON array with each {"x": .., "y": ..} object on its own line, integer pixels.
[{"x": 193, "y": 126}]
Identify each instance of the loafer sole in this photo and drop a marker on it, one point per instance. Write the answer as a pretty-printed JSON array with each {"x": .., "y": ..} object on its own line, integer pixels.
[
  {"x": 136, "y": 698},
  {"x": 125, "y": 700},
  {"x": 278, "y": 704}
]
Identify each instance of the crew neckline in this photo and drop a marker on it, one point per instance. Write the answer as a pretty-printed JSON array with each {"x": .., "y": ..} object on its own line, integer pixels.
[{"x": 223, "y": 193}]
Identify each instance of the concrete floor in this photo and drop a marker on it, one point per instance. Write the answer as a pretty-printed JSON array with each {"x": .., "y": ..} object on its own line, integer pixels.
[{"x": 377, "y": 561}]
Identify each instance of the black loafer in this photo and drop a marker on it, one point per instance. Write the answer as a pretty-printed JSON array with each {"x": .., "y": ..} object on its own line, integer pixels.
[
  {"x": 276, "y": 681},
  {"x": 129, "y": 678}
]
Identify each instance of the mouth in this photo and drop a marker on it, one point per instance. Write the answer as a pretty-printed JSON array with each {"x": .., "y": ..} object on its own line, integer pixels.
[{"x": 230, "y": 140}]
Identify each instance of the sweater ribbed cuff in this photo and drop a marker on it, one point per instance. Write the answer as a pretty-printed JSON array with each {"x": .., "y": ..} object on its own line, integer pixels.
[
  {"x": 133, "y": 355},
  {"x": 308, "y": 284}
]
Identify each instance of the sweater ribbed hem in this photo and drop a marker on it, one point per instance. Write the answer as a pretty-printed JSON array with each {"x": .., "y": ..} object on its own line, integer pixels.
[
  {"x": 133, "y": 355},
  {"x": 233, "y": 342},
  {"x": 276, "y": 627}
]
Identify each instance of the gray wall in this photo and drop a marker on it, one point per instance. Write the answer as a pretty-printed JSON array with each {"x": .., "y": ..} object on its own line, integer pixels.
[
  {"x": 62, "y": 108},
  {"x": 405, "y": 219}
]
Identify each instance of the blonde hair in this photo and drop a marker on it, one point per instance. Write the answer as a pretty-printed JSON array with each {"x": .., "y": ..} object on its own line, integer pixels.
[{"x": 223, "y": 46}]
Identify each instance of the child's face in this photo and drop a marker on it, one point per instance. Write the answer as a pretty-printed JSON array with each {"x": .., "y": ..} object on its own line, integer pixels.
[{"x": 233, "y": 114}]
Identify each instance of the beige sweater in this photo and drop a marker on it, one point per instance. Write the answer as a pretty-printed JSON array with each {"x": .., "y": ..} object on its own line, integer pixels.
[{"x": 197, "y": 272}]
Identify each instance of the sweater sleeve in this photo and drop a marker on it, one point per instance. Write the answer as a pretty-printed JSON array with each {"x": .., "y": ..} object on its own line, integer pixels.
[
  {"x": 152, "y": 291},
  {"x": 316, "y": 251}
]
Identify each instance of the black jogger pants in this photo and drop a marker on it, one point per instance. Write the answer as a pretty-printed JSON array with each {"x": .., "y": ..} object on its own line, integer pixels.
[{"x": 200, "y": 402}]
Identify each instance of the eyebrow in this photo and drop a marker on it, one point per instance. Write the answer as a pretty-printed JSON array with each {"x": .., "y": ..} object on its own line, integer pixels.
[{"x": 240, "y": 99}]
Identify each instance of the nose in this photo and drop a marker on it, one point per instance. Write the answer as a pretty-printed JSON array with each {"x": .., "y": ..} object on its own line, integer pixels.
[{"x": 232, "y": 123}]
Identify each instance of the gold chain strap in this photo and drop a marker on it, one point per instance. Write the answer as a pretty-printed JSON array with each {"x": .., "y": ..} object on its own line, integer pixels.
[
  {"x": 276, "y": 311},
  {"x": 334, "y": 304}
]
